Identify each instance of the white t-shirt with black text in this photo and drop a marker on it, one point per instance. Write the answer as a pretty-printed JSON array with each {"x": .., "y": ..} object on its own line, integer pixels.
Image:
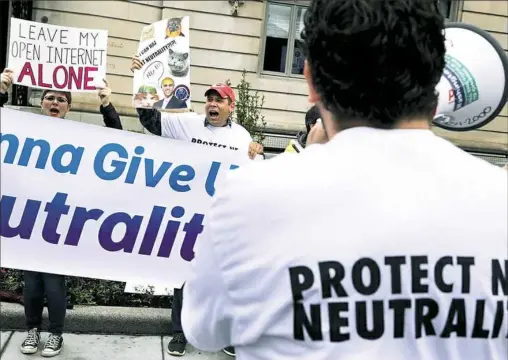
[
  {"x": 380, "y": 244},
  {"x": 191, "y": 127}
]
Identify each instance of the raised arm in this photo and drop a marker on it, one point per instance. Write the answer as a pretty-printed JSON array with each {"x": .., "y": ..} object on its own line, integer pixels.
[
  {"x": 108, "y": 111},
  {"x": 149, "y": 118},
  {"x": 111, "y": 117}
]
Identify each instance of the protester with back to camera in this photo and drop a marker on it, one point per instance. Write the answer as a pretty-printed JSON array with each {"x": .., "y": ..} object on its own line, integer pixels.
[{"x": 405, "y": 254}]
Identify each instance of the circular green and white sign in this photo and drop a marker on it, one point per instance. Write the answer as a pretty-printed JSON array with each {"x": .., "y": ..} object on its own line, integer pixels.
[{"x": 474, "y": 87}]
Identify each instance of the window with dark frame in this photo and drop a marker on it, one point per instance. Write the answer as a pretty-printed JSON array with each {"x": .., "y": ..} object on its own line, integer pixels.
[{"x": 282, "y": 51}]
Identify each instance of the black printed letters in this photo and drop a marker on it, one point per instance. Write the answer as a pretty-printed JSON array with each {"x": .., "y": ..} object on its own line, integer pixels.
[
  {"x": 214, "y": 144},
  {"x": 398, "y": 290}
]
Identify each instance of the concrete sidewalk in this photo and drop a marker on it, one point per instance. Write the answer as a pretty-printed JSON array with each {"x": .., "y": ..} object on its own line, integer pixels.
[{"x": 103, "y": 347}]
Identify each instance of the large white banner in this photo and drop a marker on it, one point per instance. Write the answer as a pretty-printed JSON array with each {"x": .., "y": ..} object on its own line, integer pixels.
[
  {"x": 84, "y": 200},
  {"x": 164, "y": 80},
  {"x": 55, "y": 57}
]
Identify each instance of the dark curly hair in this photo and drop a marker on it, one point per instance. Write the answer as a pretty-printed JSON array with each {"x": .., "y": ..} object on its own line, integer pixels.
[
  {"x": 311, "y": 117},
  {"x": 376, "y": 61}
]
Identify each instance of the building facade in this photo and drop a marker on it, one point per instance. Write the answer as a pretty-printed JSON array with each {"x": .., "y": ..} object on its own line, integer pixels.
[{"x": 261, "y": 38}]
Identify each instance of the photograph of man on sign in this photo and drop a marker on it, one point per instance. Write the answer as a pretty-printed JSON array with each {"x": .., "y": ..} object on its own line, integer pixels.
[{"x": 169, "y": 101}]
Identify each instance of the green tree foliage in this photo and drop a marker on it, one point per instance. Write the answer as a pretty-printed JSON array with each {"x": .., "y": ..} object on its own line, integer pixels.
[
  {"x": 85, "y": 291},
  {"x": 249, "y": 105}
]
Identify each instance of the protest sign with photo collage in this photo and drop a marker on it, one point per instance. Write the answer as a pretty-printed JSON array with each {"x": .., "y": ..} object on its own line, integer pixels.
[{"x": 164, "y": 80}]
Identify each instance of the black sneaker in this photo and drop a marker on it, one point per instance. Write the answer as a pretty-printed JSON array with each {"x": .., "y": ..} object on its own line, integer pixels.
[
  {"x": 230, "y": 350},
  {"x": 31, "y": 343},
  {"x": 53, "y": 346},
  {"x": 176, "y": 346}
]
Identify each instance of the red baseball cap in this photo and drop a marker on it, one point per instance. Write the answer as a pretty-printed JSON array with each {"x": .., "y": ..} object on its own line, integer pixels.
[{"x": 224, "y": 91}]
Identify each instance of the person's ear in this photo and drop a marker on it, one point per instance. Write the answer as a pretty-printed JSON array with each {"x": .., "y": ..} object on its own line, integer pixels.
[{"x": 313, "y": 95}]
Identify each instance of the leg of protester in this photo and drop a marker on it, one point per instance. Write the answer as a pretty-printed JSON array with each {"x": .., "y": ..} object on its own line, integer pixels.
[
  {"x": 33, "y": 293},
  {"x": 176, "y": 346},
  {"x": 56, "y": 293}
]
